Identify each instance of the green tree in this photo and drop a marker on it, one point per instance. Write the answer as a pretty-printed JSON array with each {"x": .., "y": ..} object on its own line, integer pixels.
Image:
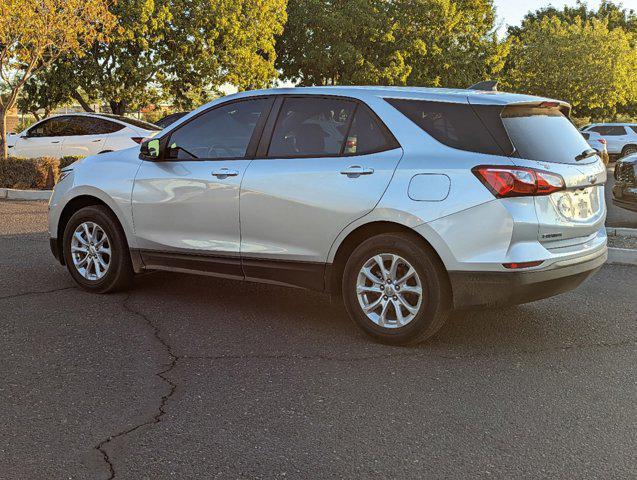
[
  {"x": 34, "y": 33},
  {"x": 181, "y": 49},
  {"x": 412, "y": 42},
  {"x": 584, "y": 62}
]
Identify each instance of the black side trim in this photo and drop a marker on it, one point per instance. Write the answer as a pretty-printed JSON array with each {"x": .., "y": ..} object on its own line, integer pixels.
[
  {"x": 504, "y": 288},
  {"x": 227, "y": 266},
  {"x": 308, "y": 275}
]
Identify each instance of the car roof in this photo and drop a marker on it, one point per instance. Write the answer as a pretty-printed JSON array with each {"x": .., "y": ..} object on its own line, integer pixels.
[
  {"x": 479, "y": 97},
  {"x": 109, "y": 116}
]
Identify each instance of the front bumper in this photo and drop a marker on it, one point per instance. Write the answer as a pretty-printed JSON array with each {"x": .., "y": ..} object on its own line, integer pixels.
[
  {"x": 506, "y": 288},
  {"x": 56, "y": 250},
  {"x": 625, "y": 196}
]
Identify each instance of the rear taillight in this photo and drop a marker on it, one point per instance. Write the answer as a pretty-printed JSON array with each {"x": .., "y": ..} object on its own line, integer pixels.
[
  {"x": 602, "y": 141},
  {"x": 137, "y": 139},
  {"x": 518, "y": 182}
]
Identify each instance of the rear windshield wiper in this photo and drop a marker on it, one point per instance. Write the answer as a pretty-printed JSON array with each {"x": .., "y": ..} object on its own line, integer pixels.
[{"x": 589, "y": 152}]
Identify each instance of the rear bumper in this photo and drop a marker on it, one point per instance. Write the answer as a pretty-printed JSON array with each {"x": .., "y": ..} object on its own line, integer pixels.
[{"x": 497, "y": 288}]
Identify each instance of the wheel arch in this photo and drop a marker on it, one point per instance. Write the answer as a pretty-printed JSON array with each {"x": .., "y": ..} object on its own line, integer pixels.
[
  {"x": 334, "y": 272},
  {"x": 74, "y": 205}
]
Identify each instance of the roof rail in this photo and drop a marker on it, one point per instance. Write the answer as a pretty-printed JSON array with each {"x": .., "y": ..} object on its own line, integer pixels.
[{"x": 487, "y": 86}]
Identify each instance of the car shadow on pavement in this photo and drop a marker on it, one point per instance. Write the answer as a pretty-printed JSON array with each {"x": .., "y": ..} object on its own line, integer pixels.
[{"x": 202, "y": 314}]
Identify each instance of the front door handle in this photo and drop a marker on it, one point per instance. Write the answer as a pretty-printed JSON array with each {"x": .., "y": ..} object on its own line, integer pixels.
[
  {"x": 355, "y": 171},
  {"x": 224, "y": 172},
  {"x": 55, "y": 141}
]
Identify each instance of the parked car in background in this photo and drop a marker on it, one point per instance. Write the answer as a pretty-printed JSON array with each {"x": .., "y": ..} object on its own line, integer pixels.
[
  {"x": 621, "y": 138},
  {"x": 407, "y": 202},
  {"x": 170, "y": 119},
  {"x": 596, "y": 141},
  {"x": 79, "y": 134},
  {"x": 625, "y": 188}
]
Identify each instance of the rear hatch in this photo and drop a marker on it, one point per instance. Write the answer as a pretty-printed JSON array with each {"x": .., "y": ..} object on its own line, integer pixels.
[{"x": 544, "y": 138}]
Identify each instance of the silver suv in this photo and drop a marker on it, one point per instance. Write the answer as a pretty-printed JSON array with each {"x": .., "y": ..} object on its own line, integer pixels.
[
  {"x": 621, "y": 138},
  {"x": 407, "y": 202}
]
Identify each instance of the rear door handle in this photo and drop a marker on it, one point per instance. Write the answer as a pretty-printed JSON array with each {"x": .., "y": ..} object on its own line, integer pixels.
[
  {"x": 356, "y": 171},
  {"x": 56, "y": 141},
  {"x": 224, "y": 172},
  {"x": 98, "y": 140}
]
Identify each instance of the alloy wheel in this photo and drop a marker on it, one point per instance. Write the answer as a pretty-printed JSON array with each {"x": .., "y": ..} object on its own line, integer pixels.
[
  {"x": 389, "y": 290},
  {"x": 91, "y": 251}
]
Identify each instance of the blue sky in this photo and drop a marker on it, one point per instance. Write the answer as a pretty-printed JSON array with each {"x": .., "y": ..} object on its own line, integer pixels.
[{"x": 510, "y": 12}]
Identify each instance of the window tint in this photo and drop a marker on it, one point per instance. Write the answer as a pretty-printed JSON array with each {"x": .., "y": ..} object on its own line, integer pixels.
[
  {"x": 586, "y": 135},
  {"x": 311, "y": 127},
  {"x": 132, "y": 121},
  {"x": 609, "y": 130},
  {"x": 454, "y": 124},
  {"x": 223, "y": 132},
  {"x": 53, "y": 127},
  {"x": 84, "y": 125},
  {"x": 633, "y": 128},
  {"x": 543, "y": 134},
  {"x": 367, "y": 135}
]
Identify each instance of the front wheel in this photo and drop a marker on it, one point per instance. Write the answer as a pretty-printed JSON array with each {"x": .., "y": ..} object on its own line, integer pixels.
[
  {"x": 396, "y": 290},
  {"x": 96, "y": 252}
]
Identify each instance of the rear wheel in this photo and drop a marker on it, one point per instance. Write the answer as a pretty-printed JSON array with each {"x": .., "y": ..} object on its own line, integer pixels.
[
  {"x": 396, "y": 290},
  {"x": 629, "y": 150},
  {"x": 96, "y": 252}
]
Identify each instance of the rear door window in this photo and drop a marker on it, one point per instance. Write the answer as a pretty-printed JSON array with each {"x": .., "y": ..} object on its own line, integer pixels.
[
  {"x": 543, "y": 134},
  {"x": 311, "y": 127},
  {"x": 367, "y": 134}
]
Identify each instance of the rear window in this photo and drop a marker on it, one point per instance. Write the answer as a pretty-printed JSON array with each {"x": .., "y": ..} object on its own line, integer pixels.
[
  {"x": 543, "y": 134},
  {"x": 456, "y": 125}
]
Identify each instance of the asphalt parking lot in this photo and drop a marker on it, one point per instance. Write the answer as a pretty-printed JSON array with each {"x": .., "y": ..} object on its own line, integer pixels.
[{"x": 194, "y": 377}]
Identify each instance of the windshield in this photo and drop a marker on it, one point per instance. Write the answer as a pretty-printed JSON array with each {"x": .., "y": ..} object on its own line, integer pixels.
[{"x": 544, "y": 134}]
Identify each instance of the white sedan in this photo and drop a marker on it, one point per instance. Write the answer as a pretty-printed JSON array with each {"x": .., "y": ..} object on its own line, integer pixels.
[{"x": 80, "y": 134}]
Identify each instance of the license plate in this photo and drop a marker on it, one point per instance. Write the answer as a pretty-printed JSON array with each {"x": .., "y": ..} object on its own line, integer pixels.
[{"x": 578, "y": 204}]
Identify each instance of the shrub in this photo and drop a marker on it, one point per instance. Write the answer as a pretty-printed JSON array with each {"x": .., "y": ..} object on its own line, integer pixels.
[
  {"x": 68, "y": 160},
  {"x": 38, "y": 173}
]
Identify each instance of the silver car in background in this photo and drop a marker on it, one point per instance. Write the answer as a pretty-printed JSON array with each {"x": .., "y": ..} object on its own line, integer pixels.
[
  {"x": 405, "y": 202},
  {"x": 596, "y": 141},
  {"x": 621, "y": 138}
]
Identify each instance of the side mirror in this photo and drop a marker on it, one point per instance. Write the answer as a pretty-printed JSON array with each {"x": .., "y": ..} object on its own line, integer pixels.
[{"x": 151, "y": 149}]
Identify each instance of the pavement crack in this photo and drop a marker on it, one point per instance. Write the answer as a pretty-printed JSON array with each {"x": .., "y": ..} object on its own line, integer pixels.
[
  {"x": 35, "y": 292},
  {"x": 161, "y": 410}
]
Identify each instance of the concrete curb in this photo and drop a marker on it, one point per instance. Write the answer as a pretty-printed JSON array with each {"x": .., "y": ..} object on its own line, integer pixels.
[
  {"x": 15, "y": 194},
  {"x": 622, "y": 256},
  {"x": 621, "y": 232}
]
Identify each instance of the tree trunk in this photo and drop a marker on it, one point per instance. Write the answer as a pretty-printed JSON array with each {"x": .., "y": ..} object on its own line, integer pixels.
[
  {"x": 118, "y": 107},
  {"x": 3, "y": 134},
  {"x": 76, "y": 95}
]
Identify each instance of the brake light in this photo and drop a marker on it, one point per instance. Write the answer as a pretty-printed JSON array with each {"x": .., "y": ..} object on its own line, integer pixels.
[
  {"x": 506, "y": 182},
  {"x": 602, "y": 141},
  {"x": 514, "y": 266},
  {"x": 549, "y": 104},
  {"x": 137, "y": 139}
]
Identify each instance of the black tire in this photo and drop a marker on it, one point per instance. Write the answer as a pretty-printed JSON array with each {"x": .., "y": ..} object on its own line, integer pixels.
[
  {"x": 119, "y": 275},
  {"x": 629, "y": 150},
  {"x": 436, "y": 303}
]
